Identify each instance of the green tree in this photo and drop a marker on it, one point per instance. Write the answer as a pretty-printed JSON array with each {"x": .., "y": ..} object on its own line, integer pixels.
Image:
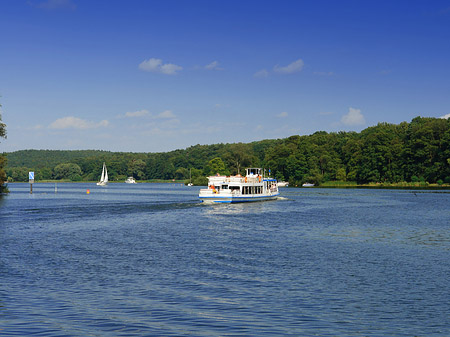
[
  {"x": 182, "y": 173},
  {"x": 340, "y": 174},
  {"x": 217, "y": 166},
  {"x": 136, "y": 168},
  {"x": 18, "y": 173},
  {"x": 67, "y": 171},
  {"x": 238, "y": 157}
]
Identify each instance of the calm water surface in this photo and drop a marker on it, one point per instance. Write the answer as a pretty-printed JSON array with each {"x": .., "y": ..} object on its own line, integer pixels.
[{"x": 149, "y": 259}]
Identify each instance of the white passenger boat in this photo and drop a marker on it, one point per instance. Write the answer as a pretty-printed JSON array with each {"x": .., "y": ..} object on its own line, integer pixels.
[{"x": 231, "y": 189}]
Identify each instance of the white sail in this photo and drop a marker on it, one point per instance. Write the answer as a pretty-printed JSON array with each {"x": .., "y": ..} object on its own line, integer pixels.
[
  {"x": 103, "y": 173},
  {"x": 104, "y": 178}
]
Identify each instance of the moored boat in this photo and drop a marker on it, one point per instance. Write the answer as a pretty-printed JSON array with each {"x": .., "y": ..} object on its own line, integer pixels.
[
  {"x": 308, "y": 185},
  {"x": 190, "y": 184},
  {"x": 283, "y": 184},
  {"x": 231, "y": 189},
  {"x": 130, "y": 180}
]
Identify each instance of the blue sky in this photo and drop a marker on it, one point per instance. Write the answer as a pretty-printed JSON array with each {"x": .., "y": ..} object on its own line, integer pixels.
[{"x": 154, "y": 76}]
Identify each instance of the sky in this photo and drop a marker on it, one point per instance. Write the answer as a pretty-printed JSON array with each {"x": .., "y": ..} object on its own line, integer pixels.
[{"x": 155, "y": 76}]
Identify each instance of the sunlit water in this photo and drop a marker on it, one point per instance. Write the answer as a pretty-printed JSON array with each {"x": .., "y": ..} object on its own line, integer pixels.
[{"x": 149, "y": 259}]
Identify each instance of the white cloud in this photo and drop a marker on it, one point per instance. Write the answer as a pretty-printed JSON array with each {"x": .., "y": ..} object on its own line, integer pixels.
[
  {"x": 447, "y": 116},
  {"x": 213, "y": 66},
  {"x": 261, "y": 74},
  {"x": 76, "y": 123},
  {"x": 157, "y": 66},
  {"x": 353, "y": 117},
  {"x": 139, "y": 113},
  {"x": 294, "y": 67},
  {"x": 166, "y": 114},
  {"x": 170, "y": 69},
  {"x": 283, "y": 114},
  {"x": 151, "y": 65}
]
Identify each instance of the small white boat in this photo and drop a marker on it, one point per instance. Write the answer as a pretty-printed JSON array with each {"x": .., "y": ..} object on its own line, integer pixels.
[
  {"x": 104, "y": 178},
  {"x": 252, "y": 187},
  {"x": 283, "y": 184},
  {"x": 308, "y": 185},
  {"x": 130, "y": 180}
]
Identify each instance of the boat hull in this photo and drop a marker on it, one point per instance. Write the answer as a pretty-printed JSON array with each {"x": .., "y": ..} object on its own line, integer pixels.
[{"x": 226, "y": 199}]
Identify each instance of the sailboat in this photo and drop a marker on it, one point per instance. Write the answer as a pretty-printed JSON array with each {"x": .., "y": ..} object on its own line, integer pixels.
[
  {"x": 104, "y": 178},
  {"x": 190, "y": 179}
]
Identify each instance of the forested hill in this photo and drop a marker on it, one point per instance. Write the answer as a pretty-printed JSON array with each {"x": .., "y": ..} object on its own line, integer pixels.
[{"x": 415, "y": 151}]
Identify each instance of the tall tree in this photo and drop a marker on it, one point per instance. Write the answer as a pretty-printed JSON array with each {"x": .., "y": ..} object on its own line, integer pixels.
[
  {"x": 68, "y": 171},
  {"x": 217, "y": 166}
]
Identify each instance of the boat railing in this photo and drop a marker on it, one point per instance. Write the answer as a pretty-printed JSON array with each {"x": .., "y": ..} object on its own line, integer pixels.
[
  {"x": 206, "y": 191},
  {"x": 235, "y": 179}
]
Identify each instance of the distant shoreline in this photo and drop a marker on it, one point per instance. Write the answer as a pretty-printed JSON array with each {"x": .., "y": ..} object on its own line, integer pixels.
[
  {"x": 64, "y": 181},
  {"x": 333, "y": 185}
]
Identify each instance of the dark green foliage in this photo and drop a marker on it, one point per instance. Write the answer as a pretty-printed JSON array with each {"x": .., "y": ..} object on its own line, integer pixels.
[
  {"x": 417, "y": 151},
  {"x": 67, "y": 171},
  {"x": 2, "y": 174}
]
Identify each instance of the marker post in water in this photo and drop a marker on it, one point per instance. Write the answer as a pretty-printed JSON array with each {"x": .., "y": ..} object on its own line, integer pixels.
[{"x": 31, "y": 180}]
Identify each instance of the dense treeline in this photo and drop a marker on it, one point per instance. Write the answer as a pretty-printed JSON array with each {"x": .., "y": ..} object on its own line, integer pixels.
[
  {"x": 416, "y": 151},
  {"x": 410, "y": 152}
]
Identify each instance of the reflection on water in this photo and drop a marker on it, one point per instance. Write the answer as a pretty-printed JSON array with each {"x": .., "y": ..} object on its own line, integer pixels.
[{"x": 150, "y": 259}]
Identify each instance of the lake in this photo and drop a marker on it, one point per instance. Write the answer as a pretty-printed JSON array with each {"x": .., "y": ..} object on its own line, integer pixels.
[{"x": 150, "y": 259}]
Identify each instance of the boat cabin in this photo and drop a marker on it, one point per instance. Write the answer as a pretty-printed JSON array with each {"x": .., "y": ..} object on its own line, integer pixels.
[
  {"x": 253, "y": 172},
  {"x": 254, "y": 186}
]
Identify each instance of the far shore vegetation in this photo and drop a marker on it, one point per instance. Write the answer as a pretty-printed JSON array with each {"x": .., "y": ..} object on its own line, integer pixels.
[{"x": 405, "y": 155}]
